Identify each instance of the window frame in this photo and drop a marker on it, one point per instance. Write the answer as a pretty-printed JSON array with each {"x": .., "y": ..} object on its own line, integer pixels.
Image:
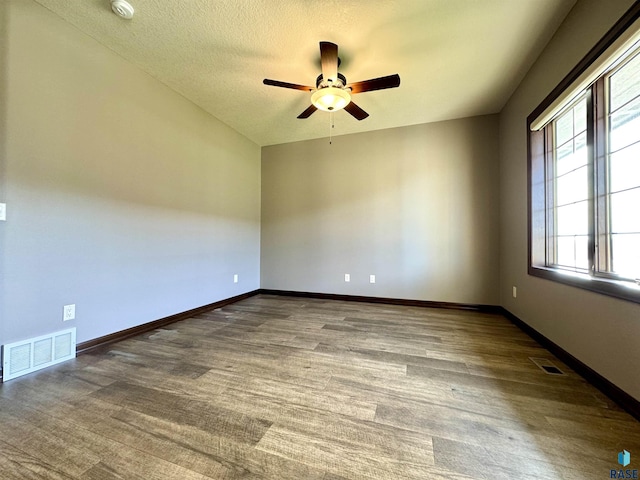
[{"x": 539, "y": 147}]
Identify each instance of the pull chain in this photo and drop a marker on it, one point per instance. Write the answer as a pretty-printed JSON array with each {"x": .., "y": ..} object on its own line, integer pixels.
[{"x": 330, "y": 126}]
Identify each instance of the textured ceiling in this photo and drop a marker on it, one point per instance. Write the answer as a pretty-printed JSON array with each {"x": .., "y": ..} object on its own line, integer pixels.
[{"x": 456, "y": 58}]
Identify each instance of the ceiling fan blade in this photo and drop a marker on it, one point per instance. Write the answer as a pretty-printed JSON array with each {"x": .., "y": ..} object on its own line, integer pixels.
[
  {"x": 329, "y": 59},
  {"x": 276, "y": 83},
  {"x": 307, "y": 113},
  {"x": 356, "y": 111},
  {"x": 390, "y": 81}
]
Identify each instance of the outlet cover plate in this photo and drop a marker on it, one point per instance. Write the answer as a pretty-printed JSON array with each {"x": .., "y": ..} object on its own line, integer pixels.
[
  {"x": 69, "y": 312},
  {"x": 3, "y": 212}
]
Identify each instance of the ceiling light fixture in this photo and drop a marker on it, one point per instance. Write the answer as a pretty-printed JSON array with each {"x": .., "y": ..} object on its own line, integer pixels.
[
  {"x": 122, "y": 8},
  {"x": 331, "y": 99},
  {"x": 332, "y": 92}
]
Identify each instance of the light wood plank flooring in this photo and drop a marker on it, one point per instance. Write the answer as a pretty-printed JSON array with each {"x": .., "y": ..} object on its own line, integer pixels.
[{"x": 295, "y": 388}]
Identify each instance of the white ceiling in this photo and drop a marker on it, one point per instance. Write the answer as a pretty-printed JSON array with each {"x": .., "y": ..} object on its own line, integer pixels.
[{"x": 456, "y": 58}]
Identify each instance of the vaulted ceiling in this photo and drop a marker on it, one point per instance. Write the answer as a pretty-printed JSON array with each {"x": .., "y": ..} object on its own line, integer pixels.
[{"x": 456, "y": 58}]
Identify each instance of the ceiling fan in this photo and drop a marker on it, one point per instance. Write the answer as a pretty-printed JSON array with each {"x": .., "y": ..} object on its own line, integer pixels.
[{"x": 332, "y": 92}]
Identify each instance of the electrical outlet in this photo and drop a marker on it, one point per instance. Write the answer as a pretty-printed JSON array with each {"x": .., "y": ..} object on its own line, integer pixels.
[
  {"x": 347, "y": 277},
  {"x": 372, "y": 279},
  {"x": 68, "y": 312},
  {"x": 3, "y": 212},
  {"x": 514, "y": 291},
  {"x": 235, "y": 278}
]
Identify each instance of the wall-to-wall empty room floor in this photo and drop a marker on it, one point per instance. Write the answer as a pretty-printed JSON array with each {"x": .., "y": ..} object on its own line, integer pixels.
[{"x": 287, "y": 387}]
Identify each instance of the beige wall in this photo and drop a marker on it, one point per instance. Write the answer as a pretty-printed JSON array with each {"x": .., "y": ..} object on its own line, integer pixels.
[
  {"x": 123, "y": 197},
  {"x": 602, "y": 332},
  {"x": 415, "y": 206},
  {"x": 4, "y": 51}
]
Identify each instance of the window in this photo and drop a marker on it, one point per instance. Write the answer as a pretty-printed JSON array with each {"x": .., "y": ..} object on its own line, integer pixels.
[
  {"x": 569, "y": 196},
  {"x": 622, "y": 241},
  {"x": 584, "y": 171}
]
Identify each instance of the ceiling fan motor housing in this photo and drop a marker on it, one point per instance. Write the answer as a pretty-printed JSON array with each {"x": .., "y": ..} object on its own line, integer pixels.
[{"x": 341, "y": 82}]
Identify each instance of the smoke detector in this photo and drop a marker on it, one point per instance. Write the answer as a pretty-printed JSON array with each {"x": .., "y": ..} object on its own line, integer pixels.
[{"x": 122, "y": 9}]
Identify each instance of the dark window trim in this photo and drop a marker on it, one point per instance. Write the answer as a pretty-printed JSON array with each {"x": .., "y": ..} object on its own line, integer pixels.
[
  {"x": 625, "y": 22},
  {"x": 536, "y": 174}
]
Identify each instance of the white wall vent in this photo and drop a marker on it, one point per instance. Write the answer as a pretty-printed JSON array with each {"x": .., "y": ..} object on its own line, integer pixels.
[{"x": 24, "y": 357}]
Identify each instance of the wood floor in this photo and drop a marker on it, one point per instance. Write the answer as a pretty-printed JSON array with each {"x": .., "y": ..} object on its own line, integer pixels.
[{"x": 295, "y": 388}]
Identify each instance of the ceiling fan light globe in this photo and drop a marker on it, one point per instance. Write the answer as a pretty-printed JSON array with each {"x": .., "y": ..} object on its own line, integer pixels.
[{"x": 330, "y": 99}]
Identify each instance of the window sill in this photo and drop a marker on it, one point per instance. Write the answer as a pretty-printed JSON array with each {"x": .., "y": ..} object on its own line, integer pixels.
[{"x": 628, "y": 291}]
